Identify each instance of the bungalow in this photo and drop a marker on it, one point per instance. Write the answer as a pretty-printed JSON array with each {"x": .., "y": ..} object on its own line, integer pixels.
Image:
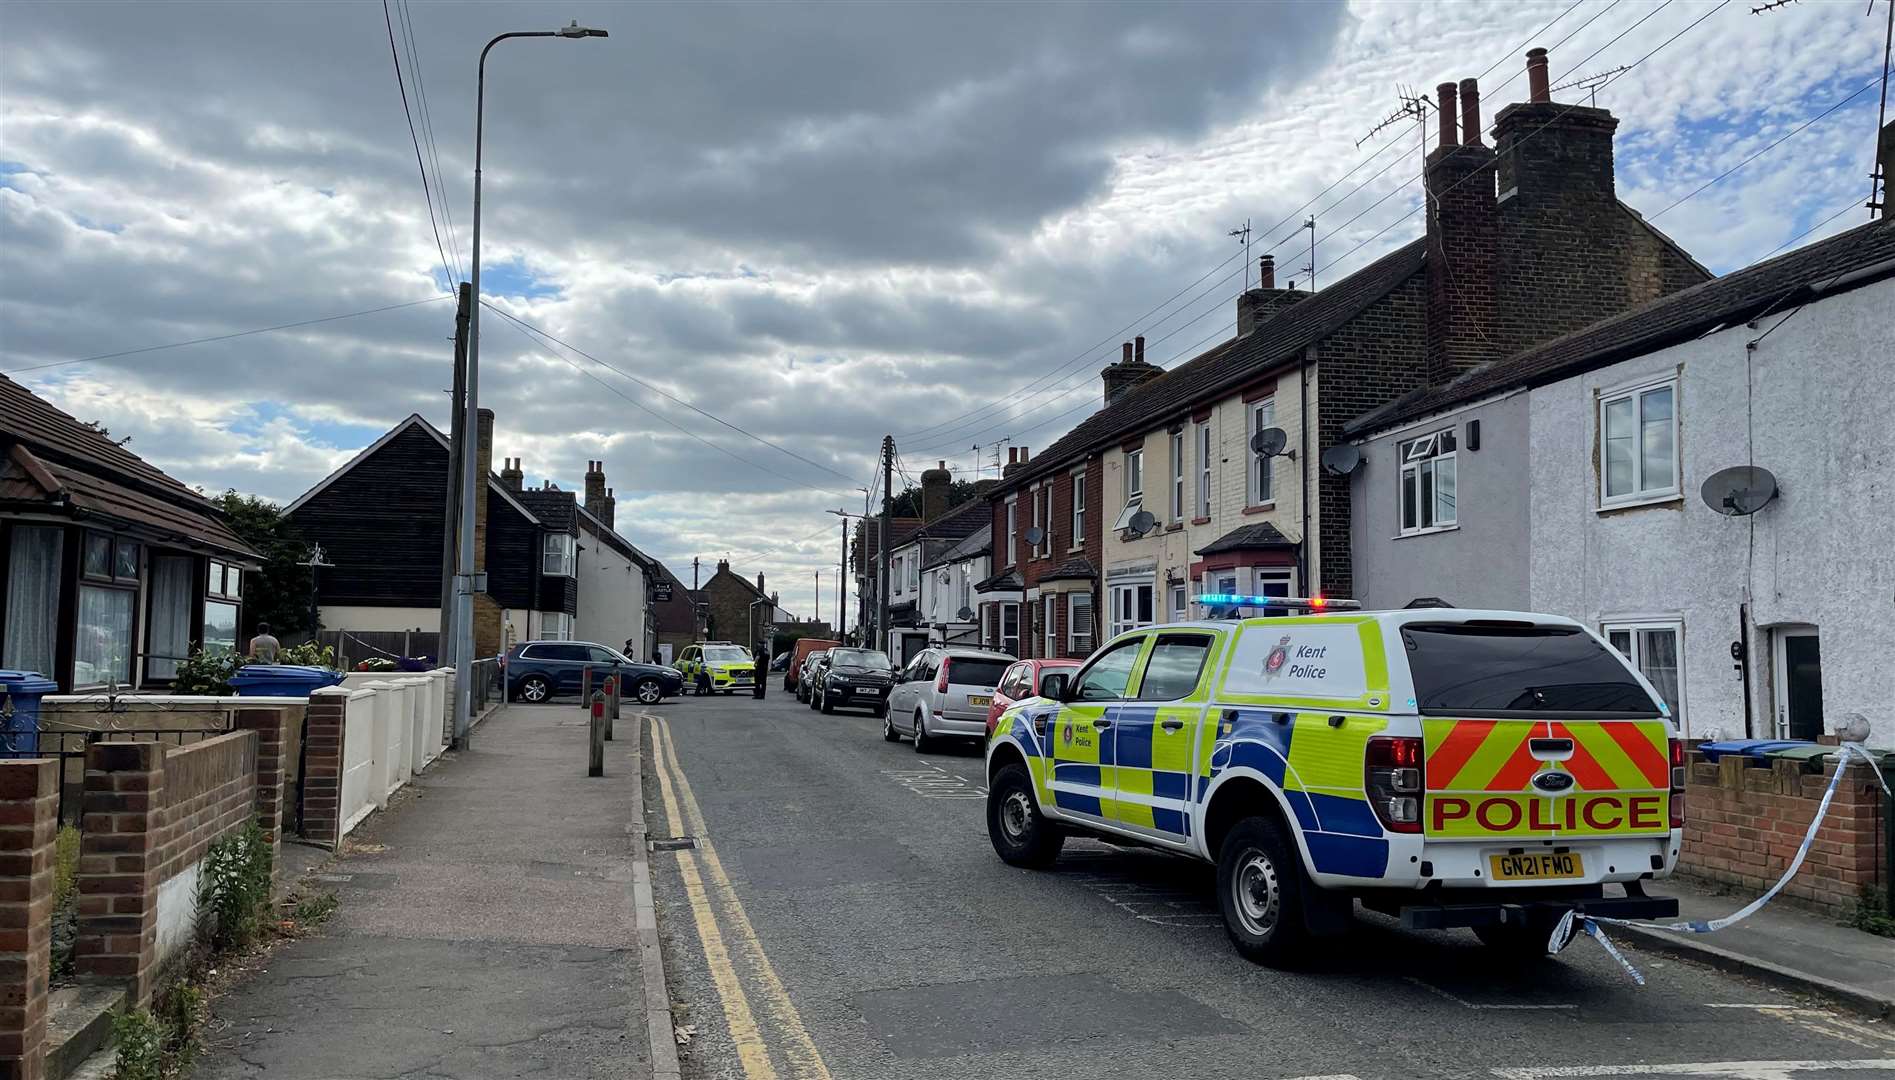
[{"x": 114, "y": 571}]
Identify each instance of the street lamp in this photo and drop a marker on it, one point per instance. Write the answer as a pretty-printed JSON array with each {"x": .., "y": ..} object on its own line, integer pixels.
[{"x": 470, "y": 481}]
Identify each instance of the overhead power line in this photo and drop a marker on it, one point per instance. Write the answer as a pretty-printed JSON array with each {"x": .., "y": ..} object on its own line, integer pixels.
[
  {"x": 427, "y": 126},
  {"x": 412, "y": 138},
  {"x": 227, "y": 337}
]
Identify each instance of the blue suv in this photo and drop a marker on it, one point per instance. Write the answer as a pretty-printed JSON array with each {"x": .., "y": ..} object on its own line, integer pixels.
[{"x": 536, "y": 670}]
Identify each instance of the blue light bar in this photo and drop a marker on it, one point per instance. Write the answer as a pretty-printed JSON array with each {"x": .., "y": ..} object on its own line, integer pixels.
[{"x": 1300, "y": 603}]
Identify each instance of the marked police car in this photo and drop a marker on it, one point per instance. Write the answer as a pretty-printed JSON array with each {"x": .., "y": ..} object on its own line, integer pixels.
[{"x": 1453, "y": 768}]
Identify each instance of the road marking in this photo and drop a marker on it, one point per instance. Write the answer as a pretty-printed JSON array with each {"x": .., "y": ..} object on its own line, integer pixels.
[
  {"x": 934, "y": 782},
  {"x": 1820, "y": 1021},
  {"x": 806, "y": 1059},
  {"x": 1729, "y": 1070},
  {"x": 1461, "y": 1001},
  {"x": 752, "y": 1052}
]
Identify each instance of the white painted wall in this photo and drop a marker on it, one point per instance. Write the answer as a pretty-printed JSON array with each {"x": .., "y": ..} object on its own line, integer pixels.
[
  {"x": 612, "y": 593},
  {"x": 363, "y": 617},
  {"x": 1820, "y": 394},
  {"x": 176, "y": 911}
]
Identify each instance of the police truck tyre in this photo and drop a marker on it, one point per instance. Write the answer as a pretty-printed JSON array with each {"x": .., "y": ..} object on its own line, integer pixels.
[
  {"x": 923, "y": 743},
  {"x": 1260, "y": 887},
  {"x": 888, "y": 727},
  {"x": 647, "y": 691},
  {"x": 534, "y": 689},
  {"x": 1021, "y": 835}
]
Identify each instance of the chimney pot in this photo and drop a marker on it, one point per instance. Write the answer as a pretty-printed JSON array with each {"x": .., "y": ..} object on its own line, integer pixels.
[
  {"x": 1125, "y": 352},
  {"x": 1266, "y": 272},
  {"x": 1470, "y": 112},
  {"x": 1023, "y": 455},
  {"x": 1537, "y": 83},
  {"x": 1138, "y": 349},
  {"x": 1013, "y": 455},
  {"x": 1445, "y": 94}
]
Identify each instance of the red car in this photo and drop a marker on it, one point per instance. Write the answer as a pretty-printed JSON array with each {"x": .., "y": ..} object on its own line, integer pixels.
[{"x": 1022, "y": 681}]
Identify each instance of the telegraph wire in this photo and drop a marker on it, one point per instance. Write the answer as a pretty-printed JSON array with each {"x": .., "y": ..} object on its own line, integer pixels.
[
  {"x": 412, "y": 138},
  {"x": 427, "y": 126},
  {"x": 227, "y": 337},
  {"x": 1845, "y": 208}
]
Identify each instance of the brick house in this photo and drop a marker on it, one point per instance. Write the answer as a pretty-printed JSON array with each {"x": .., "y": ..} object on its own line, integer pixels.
[
  {"x": 1521, "y": 245},
  {"x": 739, "y": 610}
]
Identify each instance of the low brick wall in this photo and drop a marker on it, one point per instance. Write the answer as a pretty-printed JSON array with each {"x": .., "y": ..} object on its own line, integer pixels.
[
  {"x": 29, "y": 793},
  {"x": 1745, "y": 818}
]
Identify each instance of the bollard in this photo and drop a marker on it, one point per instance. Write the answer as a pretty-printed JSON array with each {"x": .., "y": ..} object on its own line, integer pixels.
[
  {"x": 585, "y": 683},
  {"x": 595, "y": 766},
  {"x": 611, "y": 704}
]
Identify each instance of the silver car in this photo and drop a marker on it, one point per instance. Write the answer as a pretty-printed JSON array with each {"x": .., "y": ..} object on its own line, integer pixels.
[{"x": 943, "y": 692}]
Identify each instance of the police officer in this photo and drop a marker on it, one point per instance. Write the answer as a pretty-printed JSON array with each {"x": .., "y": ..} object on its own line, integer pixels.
[{"x": 760, "y": 660}]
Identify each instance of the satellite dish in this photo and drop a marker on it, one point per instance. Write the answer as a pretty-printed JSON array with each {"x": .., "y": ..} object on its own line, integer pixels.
[
  {"x": 1270, "y": 442},
  {"x": 1739, "y": 490},
  {"x": 1143, "y": 522},
  {"x": 966, "y": 614},
  {"x": 1035, "y": 535},
  {"x": 947, "y": 578},
  {"x": 1342, "y": 460}
]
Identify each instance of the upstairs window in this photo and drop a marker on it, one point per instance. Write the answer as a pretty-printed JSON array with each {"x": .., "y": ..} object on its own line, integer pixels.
[
  {"x": 1262, "y": 479},
  {"x": 559, "y": 553},
  {"x": 1079, "y": 509},
  {"x": 1134, "y": 475},
  {"x": 1638, "y": 439},
  {"x": 1428, "y": 483},
  {"x": 1013, "y": 529},
  {"x": 1177, "y": 476},
  {"x": 1042, "y": 499},
  {"x": 1204, "y": 469}
]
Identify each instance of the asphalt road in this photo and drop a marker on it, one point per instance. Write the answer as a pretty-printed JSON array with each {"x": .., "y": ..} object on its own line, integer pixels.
[{"x": 844, "y": 916}]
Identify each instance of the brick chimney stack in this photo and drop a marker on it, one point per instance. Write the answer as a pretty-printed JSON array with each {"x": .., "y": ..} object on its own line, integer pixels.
[
  {"x": 599, "y": 501},
  {"x": 1256, "y": 306},
  {"x": 1013, "y": 462},
  {"x": 1463, "y": 235},
  {"x": 1131, "y": 370},
  {"x": 483, "y": 467},
  {"x": 511, "y": 477},
  {"x": 936, "y": 483}
]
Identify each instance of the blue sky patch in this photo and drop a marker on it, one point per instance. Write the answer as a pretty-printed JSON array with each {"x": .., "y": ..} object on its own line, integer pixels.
[{"x": 513, "y": 278}]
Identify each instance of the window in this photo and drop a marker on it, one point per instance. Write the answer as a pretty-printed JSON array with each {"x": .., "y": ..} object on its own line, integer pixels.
[
  {"x": 108, "y": 599},
  {"x": 1428, "y": 483},
  {"x": 223, "y": 589},
  {"x": 1078, "y": 623},
  {"x": 1134, "y": 475},
  {"x": 967, "y": 590},
  {"x": 555, "y": 626},
  {"x": 1010, "y": 629},
  {"x": 1013, "y": 527},
  {"x": 1131, "y": 607},
  {"x": 1177, "y": 603},
  {"x": 1106, "y": 678},
  {"x": 1652, "y": 648},
  {"x": 1048, "y": 544},
  {"x": 33, "y": 573},
  {"x": 1042, "y": 496},
  {"x": 1177, "y": 476},
  {"x": 1519, "y": 670},
  {"x": 1173, "y": 668},
  {"x": 1639, "y": 442},
  {"x": 1049, "y": 611},
  {"x": 1262, "y": 489},
  {"x": 1204, "y": 469},
  {"x": 1079, "y": 510},
  {"x": 559, "y": 554},
  {"x": 914, "y": 572}
]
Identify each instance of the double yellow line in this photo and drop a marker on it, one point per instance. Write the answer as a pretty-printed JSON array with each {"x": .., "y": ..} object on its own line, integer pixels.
[{"x": 715, "y": 903}]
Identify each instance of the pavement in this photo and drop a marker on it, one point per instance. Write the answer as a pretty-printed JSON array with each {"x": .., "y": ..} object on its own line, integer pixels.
[
  {"x": 486, "y": 928},
  {"x": 834, "y": 910}
]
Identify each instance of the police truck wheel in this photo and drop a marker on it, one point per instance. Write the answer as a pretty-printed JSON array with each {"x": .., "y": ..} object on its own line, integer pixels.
[
  {"x": 1020, "y": 834},
  {"x": 923, "y": 743},
  {"x": 534, "y": 689},
  {"x": 1260, "y": 890},
  {"x": 888, "y": 727},
  {"x": 647, "y": 691}
]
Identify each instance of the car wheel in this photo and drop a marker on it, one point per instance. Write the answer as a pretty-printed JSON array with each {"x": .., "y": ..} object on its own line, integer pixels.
[
  {"x": 647, "y": 691},
  {"x": 1260, "y": 887},
  {"x": 828, "y": 709},
  {"x": 923, "y": 743},
  {"x": 888, "y": 727},
  {"x": 534, "y": 689},
  {"x": 1020, "y": 833}
]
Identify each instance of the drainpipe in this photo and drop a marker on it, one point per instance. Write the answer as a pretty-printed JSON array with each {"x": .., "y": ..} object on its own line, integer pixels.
[{"x": 1302, "y": 468}]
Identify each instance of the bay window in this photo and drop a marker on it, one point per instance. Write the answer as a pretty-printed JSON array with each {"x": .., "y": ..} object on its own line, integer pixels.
[
  {"x": 1010, "y": 629},
  {"x": 560, "y": 551},
  {"x": 1428, "y": 488}
]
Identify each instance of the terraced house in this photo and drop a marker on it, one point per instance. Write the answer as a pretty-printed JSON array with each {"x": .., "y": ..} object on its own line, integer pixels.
[{"x": 1206, "y": 477}]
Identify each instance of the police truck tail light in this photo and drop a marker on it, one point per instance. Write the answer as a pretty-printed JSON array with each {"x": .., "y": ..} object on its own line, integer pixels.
[
  {"x": 1677, "y": 783},
  {"x": 940, "y": 684},
  {"x": 1393, "y": 778}
]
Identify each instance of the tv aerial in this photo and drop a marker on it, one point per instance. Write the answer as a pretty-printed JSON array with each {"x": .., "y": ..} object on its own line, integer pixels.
[
  {"x": 1342, "y": 460},
  {"x": 1270, "y": 442},
  {"x": 1739, "y": 490},
  {"x": 1141, "y": 523}
]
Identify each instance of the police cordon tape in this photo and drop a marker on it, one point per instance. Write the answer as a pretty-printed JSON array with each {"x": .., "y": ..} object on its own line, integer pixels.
[{"x": 1573, "y": 923}]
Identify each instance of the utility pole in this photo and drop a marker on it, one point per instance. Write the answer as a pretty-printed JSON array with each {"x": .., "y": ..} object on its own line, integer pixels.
[
  {"x": 881, "y": 548},
  {"x": 817, "y": 617},
  {"x": 449, "y": 645}
]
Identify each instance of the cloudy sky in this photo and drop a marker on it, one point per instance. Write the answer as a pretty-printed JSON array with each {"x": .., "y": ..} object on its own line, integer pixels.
[{"x": 816, "y": 222}]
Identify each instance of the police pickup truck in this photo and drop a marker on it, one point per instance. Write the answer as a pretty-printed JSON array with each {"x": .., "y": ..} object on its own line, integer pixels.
[{"x": 1453, "y": 768}]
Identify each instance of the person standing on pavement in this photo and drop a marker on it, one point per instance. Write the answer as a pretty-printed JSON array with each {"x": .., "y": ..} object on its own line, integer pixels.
[
  {"x": 760, "y": 659},
  {"x": 264, "y": 646}
]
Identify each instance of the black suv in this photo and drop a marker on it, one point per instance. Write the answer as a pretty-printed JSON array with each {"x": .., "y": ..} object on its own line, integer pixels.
[
  {"x": 854, "y": 679},
  {"x": 536, "y": 670}
]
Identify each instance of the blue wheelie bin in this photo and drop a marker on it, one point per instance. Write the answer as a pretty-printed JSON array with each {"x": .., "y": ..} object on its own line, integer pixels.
[
  {"x": 282, "y": 680},
  {"x": 20, "y": 692}
]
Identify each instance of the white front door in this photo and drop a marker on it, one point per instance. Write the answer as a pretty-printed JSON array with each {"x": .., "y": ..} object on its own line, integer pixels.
[{"x": 1797, "y": 673}]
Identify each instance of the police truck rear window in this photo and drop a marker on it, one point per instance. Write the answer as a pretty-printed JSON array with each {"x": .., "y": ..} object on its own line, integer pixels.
[{"x": 1505, "y": 670}]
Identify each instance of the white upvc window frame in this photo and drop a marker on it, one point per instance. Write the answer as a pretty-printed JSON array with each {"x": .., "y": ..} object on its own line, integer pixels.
[
  {"x": 1079, "y": 510},
  {"x": 1123, "y": 598},
  {"x": 1135, "y": 475},
  {"x": 1013, "y": 529},
  {"x": 1178, "y": 601},
  {"x": 564, "y": 547},
  {"x": 1422, "y": 456},
  {"x": 1204, "y": 469},
  {"x": 1078, "y": 644},
  {"x": 1042, "y": 498},
  {"x": 1177, "y": 475},
  {"x": 1049, "y": 613},
  {"x": 1640, "y": 492},
  {"x": 1261, "y": 478},
  {"x": 1634, "y": 629}
]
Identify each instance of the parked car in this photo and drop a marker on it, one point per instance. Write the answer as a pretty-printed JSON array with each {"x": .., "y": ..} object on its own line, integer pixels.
[
  {"x": 537, "y": 670},
  {"x": 729, "y": 666},
  {"x": 811, "y": 682},
  {"x": 792, "y": 675},
  {"x": 854, "y": 679},
  {"x": 781, "y": 661},
  {"x": 808, "y": 668},
  {"x": 1022, "y": 681},
  {"x": 944, "y": 692}
]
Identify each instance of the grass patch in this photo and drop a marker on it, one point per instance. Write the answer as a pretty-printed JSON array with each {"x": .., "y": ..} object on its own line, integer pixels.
[{"x": 1871, "y": 913}]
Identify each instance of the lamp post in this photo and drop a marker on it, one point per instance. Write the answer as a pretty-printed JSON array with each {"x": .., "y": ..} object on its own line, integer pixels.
[{"x": 470, "y": 481}]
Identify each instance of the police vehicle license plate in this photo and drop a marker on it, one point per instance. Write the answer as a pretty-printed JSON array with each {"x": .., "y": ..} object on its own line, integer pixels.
[
  {"x": 1537, "y": 864},
  {"x": 979, "y": 699}
]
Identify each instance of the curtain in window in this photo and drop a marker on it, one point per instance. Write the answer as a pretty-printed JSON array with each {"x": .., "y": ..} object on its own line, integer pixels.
[
  {"x": 32, "y": 599},
  {"x": 170, "y": 614},
  {"x": 103, "y": 652},
  {"x": 1658, "y": 653}
]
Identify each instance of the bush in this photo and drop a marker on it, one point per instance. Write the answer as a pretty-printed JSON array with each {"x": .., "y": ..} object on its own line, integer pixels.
[
  {"x": 137, "y": 1046},
  {"x": 233, "y": 889},
  {"x": 1871, "y": 913},
  {"x": 208, "y": 673},
  {"x": 308, "y": 654}
]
